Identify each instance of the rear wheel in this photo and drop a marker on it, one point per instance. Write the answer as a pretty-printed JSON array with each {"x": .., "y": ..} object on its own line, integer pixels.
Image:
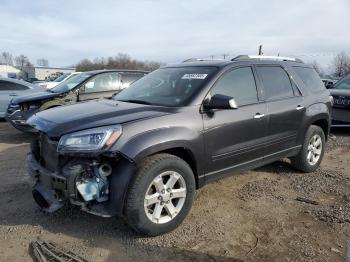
[
  {"x": 311, "y": 154},
  {"x": 161, "y": 195}
]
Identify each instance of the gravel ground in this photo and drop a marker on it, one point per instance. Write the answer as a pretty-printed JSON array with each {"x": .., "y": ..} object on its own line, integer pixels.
[{"x": 252, "y": 216}]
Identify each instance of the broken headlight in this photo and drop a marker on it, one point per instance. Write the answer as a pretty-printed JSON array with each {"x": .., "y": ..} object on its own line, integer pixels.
[{"x": 90, "y": 140}]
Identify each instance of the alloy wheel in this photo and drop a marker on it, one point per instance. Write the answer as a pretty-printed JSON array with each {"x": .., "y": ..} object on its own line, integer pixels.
[
  {"x": 314, "y": 150},
  {"x": 165, "y": 197}
]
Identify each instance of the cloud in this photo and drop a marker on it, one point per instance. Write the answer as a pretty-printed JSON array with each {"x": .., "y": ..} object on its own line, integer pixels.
[{"x": 67, "y": 31}]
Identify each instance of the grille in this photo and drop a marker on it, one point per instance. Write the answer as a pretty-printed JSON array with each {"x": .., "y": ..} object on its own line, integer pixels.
[
  {"x": 341, "y": 101},
  {"x": 48, "y": 153}
]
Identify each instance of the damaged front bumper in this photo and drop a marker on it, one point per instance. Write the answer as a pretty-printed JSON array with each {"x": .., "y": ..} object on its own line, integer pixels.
[
  {"x": 18, "y": 118},
  {"x": 94, "y": 185}
]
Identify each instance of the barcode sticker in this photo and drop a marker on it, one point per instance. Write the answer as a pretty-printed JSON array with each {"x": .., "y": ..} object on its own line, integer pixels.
[{"x": 194, "y": 76}]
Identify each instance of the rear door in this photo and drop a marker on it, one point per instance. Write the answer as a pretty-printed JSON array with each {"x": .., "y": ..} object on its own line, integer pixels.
[
  {"x": 285, "y": 107},
  {"x": 234, "y": 137},
  {"x": 101, "y": 86}
]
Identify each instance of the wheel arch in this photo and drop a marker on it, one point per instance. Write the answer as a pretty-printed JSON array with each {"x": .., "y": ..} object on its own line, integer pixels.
[
  {"x": 323, "y": 124},
  {"x": 186, "y": 155}
]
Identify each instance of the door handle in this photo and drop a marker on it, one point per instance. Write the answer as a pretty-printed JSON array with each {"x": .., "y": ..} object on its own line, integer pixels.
[
  {"x": 13, "y": 94},
  {"x": 258, "y": 116},
  {"x": 299, "y": 107}
]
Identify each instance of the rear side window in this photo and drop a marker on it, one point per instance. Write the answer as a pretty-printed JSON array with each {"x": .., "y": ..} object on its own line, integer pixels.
[
  {"x": 129, "y": 78},
  {"x": 310, "y": 78},
  {"x": 239, "y": 84},
  {"x": 276, "y": 82}
]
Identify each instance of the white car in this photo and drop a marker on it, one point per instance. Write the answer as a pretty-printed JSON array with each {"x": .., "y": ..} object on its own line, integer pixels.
[{"x": 49, "y": 85}]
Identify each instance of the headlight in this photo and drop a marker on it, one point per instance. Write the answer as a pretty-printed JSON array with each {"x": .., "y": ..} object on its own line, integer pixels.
[{"x": 90, "y": 140}]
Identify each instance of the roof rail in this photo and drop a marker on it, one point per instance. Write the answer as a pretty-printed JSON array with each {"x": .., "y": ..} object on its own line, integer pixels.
[
  {"x": 264, "y": 58},
  {"x": 200, "y": 59}
]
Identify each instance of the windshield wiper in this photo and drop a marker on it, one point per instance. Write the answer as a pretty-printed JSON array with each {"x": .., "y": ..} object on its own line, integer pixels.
[{"x": 136, "y": 101}]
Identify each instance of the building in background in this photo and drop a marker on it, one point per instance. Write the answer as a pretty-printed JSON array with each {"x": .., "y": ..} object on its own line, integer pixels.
[
  {"x": 10, "y": 71},
  {"x": 33, "y": 72},
  {"x": 43, "y": 72}
]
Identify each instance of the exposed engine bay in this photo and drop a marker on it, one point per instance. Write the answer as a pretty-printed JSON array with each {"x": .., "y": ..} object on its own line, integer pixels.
[{"x": 93, "y": 184}]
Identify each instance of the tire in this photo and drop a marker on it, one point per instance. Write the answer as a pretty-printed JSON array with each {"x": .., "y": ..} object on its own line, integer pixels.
[
  {"x": 153, "y": 219},
  {"x": 302, "y": 161}
]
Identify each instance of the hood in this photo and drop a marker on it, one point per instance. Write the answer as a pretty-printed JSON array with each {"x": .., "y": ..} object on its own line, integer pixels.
[
  {"x": 58, "y": 121},
  {"x": 38, "y": 95},
  {"x": 339, "y": 92}
]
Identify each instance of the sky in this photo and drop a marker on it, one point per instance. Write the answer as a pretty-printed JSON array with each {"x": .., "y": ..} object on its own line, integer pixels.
[{"x": 65, "y": 32}]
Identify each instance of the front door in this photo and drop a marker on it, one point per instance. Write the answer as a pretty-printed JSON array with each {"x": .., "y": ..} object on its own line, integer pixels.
[
  {"x": 101, "y": 86},
  {"x": 235, "y": 137}
]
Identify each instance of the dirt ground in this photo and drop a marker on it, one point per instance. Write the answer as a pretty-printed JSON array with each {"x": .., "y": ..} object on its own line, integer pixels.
[{"x": 252, "y": 216}]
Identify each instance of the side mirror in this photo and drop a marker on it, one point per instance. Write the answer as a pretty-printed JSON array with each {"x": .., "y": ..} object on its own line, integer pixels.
[
  {"x": 220, "y": 102},
  {"x": 329, "y": 85}
]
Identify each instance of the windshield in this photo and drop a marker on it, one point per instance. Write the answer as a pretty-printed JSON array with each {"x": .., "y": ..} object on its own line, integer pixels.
[
  {"x": 167, "y": 86},
  {"x": 343, "y": 83},
  {"x": 70, "y": 83},
  {"x": 61, "y": 78}
]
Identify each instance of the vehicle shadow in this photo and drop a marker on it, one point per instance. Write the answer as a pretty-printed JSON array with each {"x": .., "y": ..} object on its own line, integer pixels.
[
  {"x": 340, "y": 131},
  {"x": 282, "y": 167}
]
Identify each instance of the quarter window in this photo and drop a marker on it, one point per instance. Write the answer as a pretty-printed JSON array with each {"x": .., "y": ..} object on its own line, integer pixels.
[
  {"x": 276, "y": 82},
  {"x": 310, "y": 78},
  {"x": 239, "y": 84}
]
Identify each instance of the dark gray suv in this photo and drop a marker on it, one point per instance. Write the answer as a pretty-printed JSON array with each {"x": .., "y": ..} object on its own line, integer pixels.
[{"x": 143, "y": 154}]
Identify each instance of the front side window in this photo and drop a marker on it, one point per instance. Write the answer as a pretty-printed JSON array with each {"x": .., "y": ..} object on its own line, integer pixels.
[
  {"x": 172, "y": 86},
  {"x": 276, "y": 82},
  {"x": 309, "y": 77},
  {"x": 343, "y": 83},
  {"x": 103, "y": 83},
  {"x": 239, "y": 84}
]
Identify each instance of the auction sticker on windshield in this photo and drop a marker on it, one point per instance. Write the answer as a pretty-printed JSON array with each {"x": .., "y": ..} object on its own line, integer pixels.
[{"x": 194, "y": 76}]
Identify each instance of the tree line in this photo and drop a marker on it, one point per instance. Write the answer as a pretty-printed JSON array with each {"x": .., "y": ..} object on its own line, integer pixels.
[
  {"x": 120, "y": 61},
  {"x": 20, "y": 61},
  {"x": 340, "y": 64}
]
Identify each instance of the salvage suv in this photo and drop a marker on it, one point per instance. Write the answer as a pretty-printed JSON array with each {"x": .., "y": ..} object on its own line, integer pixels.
[
  {"x": 143, "y": 154},
  {"x": 79, "y": 88}
]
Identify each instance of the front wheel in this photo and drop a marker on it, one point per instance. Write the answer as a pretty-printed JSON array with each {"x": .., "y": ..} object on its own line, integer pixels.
[
  {"x": 312, "y": 151},
  {"x": 161, "y": 195}
]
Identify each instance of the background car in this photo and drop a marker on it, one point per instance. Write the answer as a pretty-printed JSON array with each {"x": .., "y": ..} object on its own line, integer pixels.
[
  {"x": 328, "y": 83},
  {"x": 341, "y": 107},
  {"x": 80, "y": 87},
  {"x": 10, "y": 88},
  {"x": 51, "y": 84}
]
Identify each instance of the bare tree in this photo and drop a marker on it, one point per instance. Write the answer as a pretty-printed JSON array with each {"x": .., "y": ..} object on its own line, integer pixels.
[
  {"x": 42, "y": 62},
  {"x": 120, "y": 61},
  {"x": 22, "y": 61},
  {"x": 6, "y": 58},
  {"x": 341, "y": 64},
  {"x": 317, "y": 67}
]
